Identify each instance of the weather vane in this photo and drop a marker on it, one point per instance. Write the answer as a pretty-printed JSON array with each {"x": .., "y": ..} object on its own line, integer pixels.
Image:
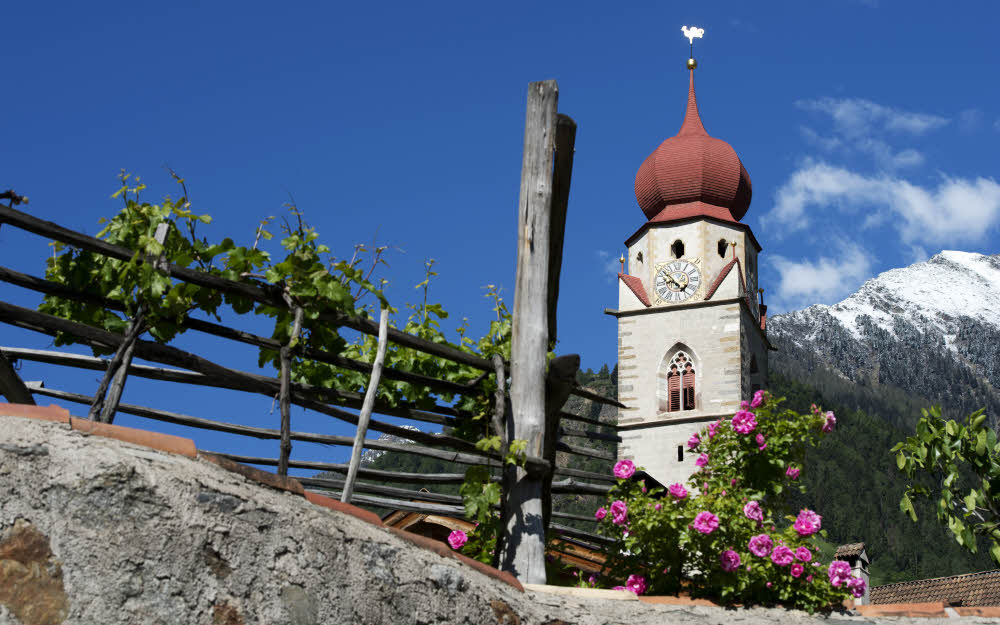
[{"x": 692, "y": 33}]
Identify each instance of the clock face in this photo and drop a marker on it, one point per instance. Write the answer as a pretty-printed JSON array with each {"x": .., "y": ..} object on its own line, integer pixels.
[{"x": 677, "y": 281}]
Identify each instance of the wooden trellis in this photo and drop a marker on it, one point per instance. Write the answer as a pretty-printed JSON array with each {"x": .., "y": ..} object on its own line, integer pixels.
[{"x": 530, "y": 411}]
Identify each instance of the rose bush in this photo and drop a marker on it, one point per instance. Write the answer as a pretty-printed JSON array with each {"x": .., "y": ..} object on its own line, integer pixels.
[{"x": 728, "y": 535}]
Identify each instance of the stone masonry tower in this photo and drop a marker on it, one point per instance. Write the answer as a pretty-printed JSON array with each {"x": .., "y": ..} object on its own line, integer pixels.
[{"x": 691, "y": 334}]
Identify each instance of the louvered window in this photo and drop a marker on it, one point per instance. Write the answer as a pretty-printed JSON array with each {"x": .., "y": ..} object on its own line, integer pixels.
[{"x": 680, "y": 384}]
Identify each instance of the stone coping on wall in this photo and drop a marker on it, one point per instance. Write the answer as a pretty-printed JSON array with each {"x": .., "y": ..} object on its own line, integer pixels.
[{"x": 185, "y": 447}]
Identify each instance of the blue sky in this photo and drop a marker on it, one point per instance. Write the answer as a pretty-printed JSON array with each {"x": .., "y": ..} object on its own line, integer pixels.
[{"x": 870, "y": 131}]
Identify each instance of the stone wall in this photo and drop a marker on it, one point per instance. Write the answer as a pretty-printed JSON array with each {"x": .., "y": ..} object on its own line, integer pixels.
[{"x": 96, "y": 530}]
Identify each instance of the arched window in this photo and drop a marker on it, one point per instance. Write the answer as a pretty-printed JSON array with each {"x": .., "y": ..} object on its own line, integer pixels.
[
  {"x": 723, "y": 246},
  {"x": 677, "y": 248},
  {"x": 680, "y": 383}
]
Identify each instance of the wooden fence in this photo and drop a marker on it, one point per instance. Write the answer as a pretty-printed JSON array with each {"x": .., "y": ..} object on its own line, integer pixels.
[{"x": 532, "y": 410}]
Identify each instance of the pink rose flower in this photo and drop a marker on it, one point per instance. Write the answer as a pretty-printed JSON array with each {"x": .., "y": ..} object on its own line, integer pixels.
[
  {"x": 753, "y": 512},
  {"x": 809, "y": 578},
  {"x": 619, "y": 512},
  {"x": 839, "y": 573},
  {"x": 636, "y": 584},
  {"x": 758, "y": 399},
  {"x": 624, "y": 469},
  {"x": 457, "y": 539},
  {"x": 830, "y": 422},
  {"x": 797, "y": 569},
  {"x": 694, "y": 441},
  {"x": 677, "y": 490},
  {"x": 803, "y": 553},
  {"x": 857, "y": 587},
  {"x": 768, "y": 584},
  {"x": 702, "y": 460},
  {"x": 807, "y": 523},
  {"x": 706, "y": 522},
  {"x": 600, "y": 514},
  {"x": 730, "y": 560},
  {"x": 744, "y": 405},
  {"x": 658, "y": 506},
  {"x": 782, "y": 555},
  {"x": 760, "y": 545},
  {"x": 744, "y": 422},
  {"x": 792, "y": 472},
  {"x": 712, "y": 427}
]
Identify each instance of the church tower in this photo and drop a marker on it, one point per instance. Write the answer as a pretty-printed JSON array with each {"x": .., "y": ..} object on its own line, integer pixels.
[{"x": 691, "y": 333}]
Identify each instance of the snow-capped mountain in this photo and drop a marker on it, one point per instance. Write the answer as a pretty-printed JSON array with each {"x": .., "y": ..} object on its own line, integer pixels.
[
  {"x": 369, "y": 456},
  {"x": 931, "y": 330}
]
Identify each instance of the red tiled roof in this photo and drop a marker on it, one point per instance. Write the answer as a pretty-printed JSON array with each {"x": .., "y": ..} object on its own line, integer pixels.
[
  {"x": 722, "y": 276},
  {"x": 635, "y": 284},
  {"x": 693, "y": 167},
  {"x": 972, "y": 589}
]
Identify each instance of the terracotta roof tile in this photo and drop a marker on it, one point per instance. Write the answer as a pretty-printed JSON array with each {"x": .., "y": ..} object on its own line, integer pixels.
[
  {"x": 849, "y": 550},
  {"x": 970, "y": 590},
  {"x": 634, "y": 283}
]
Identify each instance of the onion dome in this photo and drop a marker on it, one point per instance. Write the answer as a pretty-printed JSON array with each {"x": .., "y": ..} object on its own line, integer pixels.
[{"x": 693, "y": 174}]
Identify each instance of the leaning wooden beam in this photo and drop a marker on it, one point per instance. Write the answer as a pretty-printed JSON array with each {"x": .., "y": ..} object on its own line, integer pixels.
[
  {"x": 457, "y": 512},
  {"x": 561, "y": 174},
  {"x": 370, "y": 474},
  {"x": 524, "y": 531},
  {"x": 571, "y": 486},
  {"x": 11, "y": 385},
  {"x": 586, "y": 452},
  {"x": 596, "y": 397},
  {"x": 189, "y": 377},
  {"x": 594, "y": 436},
  {"x": 366, "y": 409},
  {"x": 575, "y": 533},
  {"x": 572, "y": 417},
  {"x": 559, "y": 379},
  {"x": 377, "y": 489}
]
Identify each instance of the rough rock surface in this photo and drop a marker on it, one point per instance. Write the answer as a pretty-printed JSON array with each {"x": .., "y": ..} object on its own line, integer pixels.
[{"x": 94, "y": 530}]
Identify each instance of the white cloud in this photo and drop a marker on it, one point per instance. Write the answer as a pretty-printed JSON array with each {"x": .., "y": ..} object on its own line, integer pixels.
[
  {"x": 956, "y": 211},
  {"x": 823, "y": 280},
  {"x": 857, "y": 117},
  {"x": 610, "y": 266}
]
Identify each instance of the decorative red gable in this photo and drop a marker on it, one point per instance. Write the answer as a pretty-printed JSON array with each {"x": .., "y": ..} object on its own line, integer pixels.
[{"x": 634, "y": 283}]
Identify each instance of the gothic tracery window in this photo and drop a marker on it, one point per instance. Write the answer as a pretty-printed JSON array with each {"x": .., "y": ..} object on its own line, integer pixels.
[{"x": 680, "y": 383}]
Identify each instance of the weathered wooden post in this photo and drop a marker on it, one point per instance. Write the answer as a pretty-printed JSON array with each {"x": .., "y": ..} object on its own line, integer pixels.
[
  {"x": 524, "y": 530},
  {"x": 285, "y": 393},
  {"x": 367, "y": 407}
]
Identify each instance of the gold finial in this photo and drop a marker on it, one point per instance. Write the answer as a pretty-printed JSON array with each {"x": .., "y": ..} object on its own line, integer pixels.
[
  {"x": 692, "y": 33},
  {"x": 733, "y": 243},
  {"x": 621, "y": 259}
]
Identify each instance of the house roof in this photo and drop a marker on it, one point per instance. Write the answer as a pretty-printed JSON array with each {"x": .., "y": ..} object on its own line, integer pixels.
[{"x": 972, "y": 589}]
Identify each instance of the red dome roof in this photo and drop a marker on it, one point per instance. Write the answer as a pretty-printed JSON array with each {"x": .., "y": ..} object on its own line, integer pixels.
[{"x": 692, "y": 167}]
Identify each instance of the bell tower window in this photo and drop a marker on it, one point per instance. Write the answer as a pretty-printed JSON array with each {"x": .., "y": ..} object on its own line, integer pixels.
[
  {"x": 723, "y": 246},
  {"x": 680, "y": 384},
  {"x": 677, "y": 248}
]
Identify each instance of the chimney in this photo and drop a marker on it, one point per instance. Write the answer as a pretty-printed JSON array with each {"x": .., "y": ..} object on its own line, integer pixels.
[{"x": 855, "y": 555}]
